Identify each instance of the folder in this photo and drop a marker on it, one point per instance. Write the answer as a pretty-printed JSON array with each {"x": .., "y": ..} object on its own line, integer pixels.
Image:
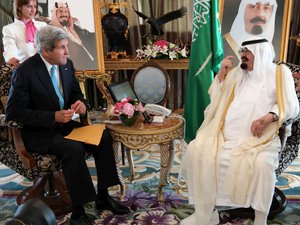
[{"x": 90, "y": 134}]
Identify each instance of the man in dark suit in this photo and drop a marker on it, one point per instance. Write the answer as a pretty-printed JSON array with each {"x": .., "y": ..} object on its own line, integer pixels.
[{"x": 45, "y": 109}]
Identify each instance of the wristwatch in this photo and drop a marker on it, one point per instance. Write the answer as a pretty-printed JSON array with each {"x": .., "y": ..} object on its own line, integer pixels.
[{"x": 275, "y": 117}]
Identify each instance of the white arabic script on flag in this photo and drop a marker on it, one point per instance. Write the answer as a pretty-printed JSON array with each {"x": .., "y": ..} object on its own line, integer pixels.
[{"x": 199, "y": 16}]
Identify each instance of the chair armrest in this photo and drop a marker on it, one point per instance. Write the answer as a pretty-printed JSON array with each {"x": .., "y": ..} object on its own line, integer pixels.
[
  {"x": 14, "y": 124},
  {"x": 10, "y": 124},
  {"x": 290, "y": 121},
  {"x": 282, "y": 129},
  {"x": 27, "y": 158}
]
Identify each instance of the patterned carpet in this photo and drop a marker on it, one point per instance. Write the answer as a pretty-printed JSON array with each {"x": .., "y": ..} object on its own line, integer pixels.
[{"x": 141, "y": 195}]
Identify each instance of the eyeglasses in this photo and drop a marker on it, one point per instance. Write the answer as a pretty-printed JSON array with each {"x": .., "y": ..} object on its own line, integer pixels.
[{"x": 245, "y": 49}]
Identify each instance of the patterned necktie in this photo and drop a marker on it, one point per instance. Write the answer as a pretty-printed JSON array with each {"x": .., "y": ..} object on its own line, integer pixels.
[{"x": 56, "y": 88}]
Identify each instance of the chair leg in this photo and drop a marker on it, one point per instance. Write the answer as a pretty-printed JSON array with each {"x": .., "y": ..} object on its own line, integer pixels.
[
  {"x": 278, "y": 203},
  {"x": 32, "y": 192},
  {"x": 52, "y": 190},
  {"x": 277, "y": 206}
]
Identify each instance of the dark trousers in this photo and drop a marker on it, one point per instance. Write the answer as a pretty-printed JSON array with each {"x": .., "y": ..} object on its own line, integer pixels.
[{"x": 76, "y": 173}]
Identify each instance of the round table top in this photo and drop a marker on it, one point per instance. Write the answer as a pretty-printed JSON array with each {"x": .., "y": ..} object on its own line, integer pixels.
[{"x": 170, "y": 124}]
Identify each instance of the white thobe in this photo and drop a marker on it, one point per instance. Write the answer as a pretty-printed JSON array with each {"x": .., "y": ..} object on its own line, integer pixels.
[{"x": 236, "y": 128}]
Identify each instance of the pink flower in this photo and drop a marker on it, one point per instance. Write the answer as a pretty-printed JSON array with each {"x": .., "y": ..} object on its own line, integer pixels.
[
  {"x": 124, "y": 100},
  {"x": 161, "y": 43},
  {"x": 128, "y": 106},
  {"x": 118, "y": 107},
  {"x": 128, "y": 109},
  {"x": 139, "y": 107}
]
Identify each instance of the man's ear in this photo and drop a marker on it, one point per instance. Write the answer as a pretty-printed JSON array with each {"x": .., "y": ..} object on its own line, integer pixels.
[{"x": 45, "y": 52}]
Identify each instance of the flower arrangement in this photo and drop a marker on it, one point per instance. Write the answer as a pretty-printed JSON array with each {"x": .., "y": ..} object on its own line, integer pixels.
[
  {"x": 162, "y": 49},
  {"x": 128, "y": 110}
]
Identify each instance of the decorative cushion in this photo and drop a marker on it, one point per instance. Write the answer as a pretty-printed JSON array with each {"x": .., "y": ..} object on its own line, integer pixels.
[
  {"x": 3, "y": 129},
  {"x": 45, "y": 163},
  {"x": 290, "y": 150},
  {"x": 5, "y": 75},
  {"x": 150, "y": 85},
  {"x": 2, "y": 121}
]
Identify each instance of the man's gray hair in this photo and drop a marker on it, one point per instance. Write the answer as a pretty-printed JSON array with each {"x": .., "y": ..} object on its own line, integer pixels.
[{"x": 48, "y": 36}]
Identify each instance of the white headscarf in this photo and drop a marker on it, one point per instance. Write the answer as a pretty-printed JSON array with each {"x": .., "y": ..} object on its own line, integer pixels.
[
  {"x": 70, "y": 28},
  {"x": 238, "y": 27}
]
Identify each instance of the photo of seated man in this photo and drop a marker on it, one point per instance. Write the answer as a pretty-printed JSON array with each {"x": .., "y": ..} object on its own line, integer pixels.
[{"x": 82, "y": 43}]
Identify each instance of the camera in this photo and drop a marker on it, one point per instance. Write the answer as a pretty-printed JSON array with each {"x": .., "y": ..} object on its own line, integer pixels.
[{"x": 33, "y": 212}]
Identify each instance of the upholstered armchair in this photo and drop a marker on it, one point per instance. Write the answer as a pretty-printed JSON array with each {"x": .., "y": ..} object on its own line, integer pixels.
[
  {"x": 289, "y": 150},
  {"x": 291, "y": 147}
]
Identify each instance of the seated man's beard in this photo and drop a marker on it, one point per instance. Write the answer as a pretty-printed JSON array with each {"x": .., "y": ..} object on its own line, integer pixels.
[
  {"x": 257, "y": 29},
  {"x": 64, "y": 23},
  {"x": 244, "y": 66}
]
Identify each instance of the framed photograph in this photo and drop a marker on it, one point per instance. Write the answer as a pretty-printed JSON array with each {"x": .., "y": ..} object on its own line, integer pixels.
[
  {"x": 238, "y": 21},
  {"x": 81, "y": 20}
]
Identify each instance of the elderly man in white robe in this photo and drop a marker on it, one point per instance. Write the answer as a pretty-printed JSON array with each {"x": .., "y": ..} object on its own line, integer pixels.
[{"x": 232, "y": 160}]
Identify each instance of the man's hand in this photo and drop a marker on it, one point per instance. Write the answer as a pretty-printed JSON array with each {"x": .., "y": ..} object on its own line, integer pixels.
[
  {"x": 258, "y": 126},
  {"x": 225, "y": 67},
  {"x": 79, "y": 107},
  {"x": 63, "y": 116},
  {"x": 13, "y": 61}
]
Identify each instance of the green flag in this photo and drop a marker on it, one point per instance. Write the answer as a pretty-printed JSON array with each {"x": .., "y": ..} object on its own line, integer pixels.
[{"x": 206, "y": 55}]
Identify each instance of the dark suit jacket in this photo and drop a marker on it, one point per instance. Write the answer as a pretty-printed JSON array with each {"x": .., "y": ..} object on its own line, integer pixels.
[{"x": 32, "y": 101}]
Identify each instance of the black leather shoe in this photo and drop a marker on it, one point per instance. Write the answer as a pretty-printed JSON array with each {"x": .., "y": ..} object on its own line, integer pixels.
[
  {"x": 83, "y": 220},
  {"x": 111, "y": 205}
]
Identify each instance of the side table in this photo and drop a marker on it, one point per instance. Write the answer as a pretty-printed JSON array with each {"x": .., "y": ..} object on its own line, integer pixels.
[{"x": 142, "y": 135}]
